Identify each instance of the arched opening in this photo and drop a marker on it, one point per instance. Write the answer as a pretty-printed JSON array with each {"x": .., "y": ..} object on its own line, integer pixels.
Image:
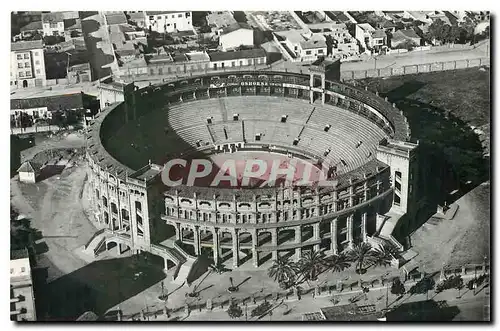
[
  {"x": 263, "y": 238},
  {"x": 286, "y": 236},
  {"x": 25, "y": 83}
]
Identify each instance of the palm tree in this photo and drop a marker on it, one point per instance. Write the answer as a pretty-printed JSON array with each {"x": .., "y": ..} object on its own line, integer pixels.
[
  {"x": 312, "y": 264},
  {"x": 360, "y": 253},
  {"x": 337, "y": 263},
  {"x": 384, "y": 254},
  {"x": 283, "y": 271}
]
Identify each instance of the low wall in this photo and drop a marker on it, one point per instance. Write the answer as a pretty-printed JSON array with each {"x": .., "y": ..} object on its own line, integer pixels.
[{"x": 414, "y": 69}]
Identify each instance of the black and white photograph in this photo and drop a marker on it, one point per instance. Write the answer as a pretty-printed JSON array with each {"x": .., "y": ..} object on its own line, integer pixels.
[{"x": 250, "y": 166}]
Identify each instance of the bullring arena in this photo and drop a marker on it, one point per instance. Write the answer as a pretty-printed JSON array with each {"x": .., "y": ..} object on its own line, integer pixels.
[{"x": 312, "y": 117}]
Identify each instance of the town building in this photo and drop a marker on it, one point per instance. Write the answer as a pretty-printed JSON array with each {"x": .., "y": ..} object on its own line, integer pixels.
[
  {"x": 371, "y": 38},
  {"x": 220, "y": 19},
  {"x": 29, "y": 172},
  {"x": 168, "y": 21},
  {"x": 41, "y": 109},
  {"x": 79, "y": 73},
  {"x": 222, "y": 60},
  {"x": 344, "y": 44},
  {"x": 22, "y": 297},
  {"x": 72, "y": 28},
  {"x": 233, "y": 36},
  {"x": 53, "y": 24},
  {"x": 401, "y": 36},
  {"x": 301, "y": 45},
  {"x": 137, "y": 18},
  {"x": 27, "y": 64}
]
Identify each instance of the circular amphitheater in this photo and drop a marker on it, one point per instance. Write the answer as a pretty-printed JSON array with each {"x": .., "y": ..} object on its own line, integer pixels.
[{"x": 242, "y": 114}]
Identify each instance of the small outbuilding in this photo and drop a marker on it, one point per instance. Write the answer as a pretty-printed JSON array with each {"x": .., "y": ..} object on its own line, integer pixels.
[{"x": 29, "y": 172}]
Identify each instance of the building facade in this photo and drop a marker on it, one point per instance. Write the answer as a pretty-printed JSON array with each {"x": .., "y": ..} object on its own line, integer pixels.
[
  {"x": 168, "y": 21},
  {"x": 22, "y": 298},
  {"x": 27, "y": 66},
  {"x": 53, "y": 24}
]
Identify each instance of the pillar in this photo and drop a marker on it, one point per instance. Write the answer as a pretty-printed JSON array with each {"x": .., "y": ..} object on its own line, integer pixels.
[
  {"x": 298, "y": 240},
  {"x": 255, "y": 254},
  {"x": 196, "y": 241},
  {"x": 236, "y": 249},
  {"x": 194, "y": 95},
  {"x": 350, "y": 221},
  {"x": 333, "y": 236},
  {"x": 274, "y": 243},
  {"x": 316, "y": 235},
  {"x": 178, "y": 232},
  {"x": 363, "y": 227},
  {"x": 216, "y": 246}
]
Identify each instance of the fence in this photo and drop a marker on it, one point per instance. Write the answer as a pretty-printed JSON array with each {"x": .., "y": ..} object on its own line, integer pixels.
[
  {"x": 414, "y": 69},
  {"x": 349, "y": 287}
]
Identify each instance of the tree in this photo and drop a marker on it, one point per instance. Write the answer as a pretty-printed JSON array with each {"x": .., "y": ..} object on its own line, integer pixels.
[
  {"x": 283, "y": 271},
  {"x": 384, "y": 254},
  {"x": 398, "y": 287},
  {"x": 311, "y": 265},
  {"x": 337, "y": 263},
  {"x": 423, "y": 286},
  {"x": 360, "y": 253},
  {"x": 234, "y": 311},
  {"x": 261, "y": 309},
  {"x": 407, "y": 44}
]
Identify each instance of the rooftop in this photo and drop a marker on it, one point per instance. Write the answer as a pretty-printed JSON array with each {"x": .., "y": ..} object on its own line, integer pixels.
[
  {"x": 366, "y": 27},
  {"x": 19, "y": 254},
  {"x": 151, "y": 12},
  {"x": 53, "y": 103},
  {"x": 32, "y": 26},
  {"x": 403, "y": 34},
  {"x": 220, "y": 19},
  {"x": 72, "y": 23},
  {"x": 26, "y": 45},
  {"x": 29, "y": 166},
  {"x": 379, "y": 34},
  {"x": 116, "y": 18},
  {"x": 234, "y": 27},
  {"x": 136, "y": 16},
  {"x": 245, "y": 54},
  {"x": 54, "y": 17}
]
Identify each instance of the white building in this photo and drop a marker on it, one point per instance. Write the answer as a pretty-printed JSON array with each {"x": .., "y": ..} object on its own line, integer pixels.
[
  {"x": 28, "y": 173},
  {"x": 27, "y": 64},
  {"x": 236, "y": 35},
  {"x": 220, "y": 19},
  {"x": 168, "y": 21},
  {"x": 223, "y": 60},
  {"x": 370, "y": 37},
  {"x": 344, "y": 45},
  {"x": 53, "y": 24},
  {"x": 301, "y": 45},
  {"x": 22, "y": 298}
]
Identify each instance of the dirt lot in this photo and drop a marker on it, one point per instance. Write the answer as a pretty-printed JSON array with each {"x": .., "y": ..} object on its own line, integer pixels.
[{"x": 54, "y": 207}]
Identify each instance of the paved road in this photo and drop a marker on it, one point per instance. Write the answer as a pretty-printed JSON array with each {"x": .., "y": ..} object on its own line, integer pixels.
[{"x": 411, "y": 58}]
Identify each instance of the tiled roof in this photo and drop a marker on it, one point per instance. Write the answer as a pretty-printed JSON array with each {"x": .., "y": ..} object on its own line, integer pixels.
[
  {"x": 234, "y": 27},
  {"x": 18, "y": 254},
  {"x": 72, "y": 23},
  {"x": 55, "y": 102},
  {"x": 245, "y": 54},
  {"x": 26, "y": 45},
  {"x": 163, "y": 12},
  {"x": 404, "y": 34},
  {"x": 54, "y": 17},
  {"x": 118, "y": 18},
  {"x": 136, "y": 16},
  {"x": 29, "y": 166},
  {"x": 32, "y": 26},
  {"x": 379, "y": 34}
]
